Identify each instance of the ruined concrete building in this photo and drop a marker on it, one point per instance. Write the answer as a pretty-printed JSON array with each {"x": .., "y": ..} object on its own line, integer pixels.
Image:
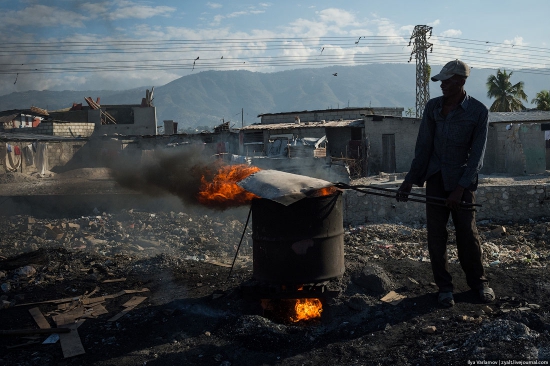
[{"x": 516, "y": 143}]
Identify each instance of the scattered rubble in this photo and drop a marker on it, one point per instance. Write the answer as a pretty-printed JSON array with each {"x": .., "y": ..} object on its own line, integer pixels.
[
  {"x": 518, "y": 245},
  {"x": 153, "y": 287}
]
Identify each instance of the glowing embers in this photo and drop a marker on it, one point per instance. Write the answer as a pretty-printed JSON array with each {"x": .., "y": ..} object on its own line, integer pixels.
[
  {"x": 306, "y": 309},
  {"x": 221, "y": 189},
  {"x": 323, "y": 192},
  {"x": 292, "y": 310}
]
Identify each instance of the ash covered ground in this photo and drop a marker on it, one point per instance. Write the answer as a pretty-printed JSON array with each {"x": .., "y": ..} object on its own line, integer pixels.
[{"x": 194, "y": 314}]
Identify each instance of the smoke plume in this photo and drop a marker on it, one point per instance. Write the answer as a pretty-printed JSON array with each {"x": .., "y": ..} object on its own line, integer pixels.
[{"x": 177, "y": 171}]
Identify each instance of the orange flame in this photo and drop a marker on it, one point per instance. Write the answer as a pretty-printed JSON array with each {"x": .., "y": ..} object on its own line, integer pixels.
[
  {"x": 223, "y": 189},
  {"x": 327, "y": 191},
  {"x": 307, "y": 309}
]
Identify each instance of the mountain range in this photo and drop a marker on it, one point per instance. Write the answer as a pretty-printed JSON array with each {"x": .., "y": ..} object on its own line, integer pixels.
[{"x": 210, "y": 97}]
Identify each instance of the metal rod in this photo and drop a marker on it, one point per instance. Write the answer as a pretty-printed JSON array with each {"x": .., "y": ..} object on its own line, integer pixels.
[
  {"x": 464, "y": 206},
  {"x": 239, "y": 247},
  {"x": 413, "y": 200},
  {"x": 416, "y": 194}
]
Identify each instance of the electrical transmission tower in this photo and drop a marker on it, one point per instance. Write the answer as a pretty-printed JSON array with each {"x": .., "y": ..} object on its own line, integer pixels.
[{"x": 420, "y": 53}]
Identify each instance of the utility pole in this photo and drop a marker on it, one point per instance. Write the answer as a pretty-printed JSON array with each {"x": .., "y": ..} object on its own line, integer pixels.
[
  {"x": 420, "y": 53},
  {"x": 242, "y": 117}
]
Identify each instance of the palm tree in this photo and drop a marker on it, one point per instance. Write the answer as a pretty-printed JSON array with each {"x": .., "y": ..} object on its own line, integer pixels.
[
  {"x": 542, "y": 100},
  {"x": 507, "y": 96}
]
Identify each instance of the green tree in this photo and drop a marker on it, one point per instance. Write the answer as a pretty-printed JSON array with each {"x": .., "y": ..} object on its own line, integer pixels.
[
  {"x": 508, "y": 97},
  {"x": 542, "y": 100},
  {"x": 410, "y": 112}
]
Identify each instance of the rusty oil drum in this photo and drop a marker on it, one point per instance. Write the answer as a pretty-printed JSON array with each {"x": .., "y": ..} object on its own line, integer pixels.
[{"x": 300, "y": 243}]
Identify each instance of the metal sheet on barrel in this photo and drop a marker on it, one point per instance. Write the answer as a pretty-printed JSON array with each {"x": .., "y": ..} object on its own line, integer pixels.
[{"x": 281, "y": 187}]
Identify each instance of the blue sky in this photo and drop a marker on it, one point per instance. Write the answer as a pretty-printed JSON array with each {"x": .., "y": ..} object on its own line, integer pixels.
[{"x": 129, "y": 43}]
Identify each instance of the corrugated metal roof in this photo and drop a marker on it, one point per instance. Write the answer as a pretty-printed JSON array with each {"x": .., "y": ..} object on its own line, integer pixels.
[
  {"x": 531, "y": 116},
  {"x": 322, "y": 111},
  {"x": 289, "y": 126},
  {"x": 14, "y": 136},
  {"x": 370, "y": 109}
]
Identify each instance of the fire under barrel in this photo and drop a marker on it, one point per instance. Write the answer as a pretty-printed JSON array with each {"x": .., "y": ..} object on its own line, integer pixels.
[{"x": 299, "y": 243}]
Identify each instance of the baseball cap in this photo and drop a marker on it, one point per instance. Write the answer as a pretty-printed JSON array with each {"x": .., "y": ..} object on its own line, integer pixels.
[{"x": 455, "y": 67}]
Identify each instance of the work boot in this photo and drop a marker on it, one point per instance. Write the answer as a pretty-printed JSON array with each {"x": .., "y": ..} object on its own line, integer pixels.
[
  {"x": 445, "y": 299},
  {"x": 486, "y": 294}
]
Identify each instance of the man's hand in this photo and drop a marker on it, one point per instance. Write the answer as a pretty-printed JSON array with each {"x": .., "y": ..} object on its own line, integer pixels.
[
  {"x": 403, "y": 192},
  {"x": 454, "y": 199}
]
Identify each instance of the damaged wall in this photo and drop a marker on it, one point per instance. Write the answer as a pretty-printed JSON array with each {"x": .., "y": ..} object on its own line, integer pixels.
[
  {"x": 515, "y": 149},
  {"x": 404, "y": 131},
  {"x": 500, "y": 203},
  {"x": 58, "y": 154},
  {"x": 144, "y": 121},
  {"x": 66, "y": 129},
  {"x": 59, "y": 128}
]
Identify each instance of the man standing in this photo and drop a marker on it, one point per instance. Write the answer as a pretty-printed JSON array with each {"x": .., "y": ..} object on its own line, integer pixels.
[{"x": 448, "y": 156}]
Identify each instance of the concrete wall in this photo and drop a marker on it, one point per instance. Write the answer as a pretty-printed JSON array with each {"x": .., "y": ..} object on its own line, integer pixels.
[
  {"x": 405, "y": 131},
  {"x": 330, "y": 115},
  {"x": 500, "y": 203},
  {"x": 144, "y": 122},
  {"x": 518, "y": 150},
  {"x": 60, "y": 153},
  {"x": 67, "y": 129}
]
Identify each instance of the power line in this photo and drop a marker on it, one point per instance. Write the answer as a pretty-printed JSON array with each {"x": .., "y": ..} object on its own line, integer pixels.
[
  {"x": 496, "y": 43},
  {"x": 475, "y": 52}
]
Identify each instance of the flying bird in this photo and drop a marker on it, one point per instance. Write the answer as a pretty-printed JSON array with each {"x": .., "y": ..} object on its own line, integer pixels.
[{"x": 335, "y": 74}]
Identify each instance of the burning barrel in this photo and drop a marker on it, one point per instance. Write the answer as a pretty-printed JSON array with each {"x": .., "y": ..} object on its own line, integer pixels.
[{"x": 299, "y": 243}]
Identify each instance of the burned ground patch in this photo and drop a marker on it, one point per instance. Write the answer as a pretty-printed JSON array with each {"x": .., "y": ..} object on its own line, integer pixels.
[{"x": 195, "y": 314}]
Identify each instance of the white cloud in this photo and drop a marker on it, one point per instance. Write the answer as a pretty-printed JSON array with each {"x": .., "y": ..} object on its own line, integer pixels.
[
  {"x": 339, "y": 17},
  {"x": 435, "y": 23},
  {"x": 42, "y": 16},
  {"x": 517, "y": 41},
  {"x": 131, "y": 10},
  {"x": 451, "y": 33},
  {"x": 236, "y": 14},
  {"x": 218, "y": 18},
  {"x": 214, "y": 5},
  {"x": 251, "y": 54},
  {"x": 386, "y": 27}
]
